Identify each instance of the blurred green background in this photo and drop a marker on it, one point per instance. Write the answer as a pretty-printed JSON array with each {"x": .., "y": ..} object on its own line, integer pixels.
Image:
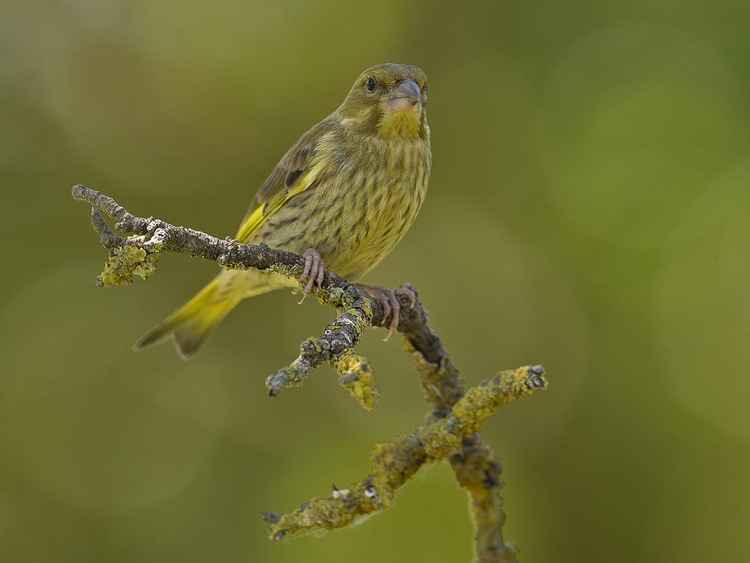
[{"x": 587, "y": 210}]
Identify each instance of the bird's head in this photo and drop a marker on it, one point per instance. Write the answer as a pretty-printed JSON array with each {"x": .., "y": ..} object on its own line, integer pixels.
[{"x": 387, "y": 100}]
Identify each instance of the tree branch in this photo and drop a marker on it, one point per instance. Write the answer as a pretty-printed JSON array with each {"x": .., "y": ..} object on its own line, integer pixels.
[
  {"x": 396, "y": 462},
  {"x": 137, "y": 256},
  {"x": 475, "y": 466},
  {"x": 450, "y": 431}
]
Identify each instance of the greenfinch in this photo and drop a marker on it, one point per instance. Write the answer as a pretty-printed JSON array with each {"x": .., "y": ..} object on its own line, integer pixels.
[{"x": 342, "y": 196}]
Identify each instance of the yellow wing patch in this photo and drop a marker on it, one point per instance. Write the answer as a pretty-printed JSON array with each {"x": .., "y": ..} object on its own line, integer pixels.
[{"x": 261, "y": 214}]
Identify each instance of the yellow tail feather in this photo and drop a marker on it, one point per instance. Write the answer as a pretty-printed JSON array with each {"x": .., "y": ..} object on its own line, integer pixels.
[
  {"x": 193, "y": 321},
  {"x": 190, "y": 324}
]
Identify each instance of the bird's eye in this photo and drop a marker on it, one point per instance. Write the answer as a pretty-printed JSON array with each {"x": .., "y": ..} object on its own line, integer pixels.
[{"x": 371, "y": 84}]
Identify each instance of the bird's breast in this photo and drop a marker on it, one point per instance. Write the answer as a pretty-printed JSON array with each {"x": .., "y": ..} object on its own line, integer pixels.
[
  {"x": 386, "y": 190},
  {"x": 360, "y": 208}
]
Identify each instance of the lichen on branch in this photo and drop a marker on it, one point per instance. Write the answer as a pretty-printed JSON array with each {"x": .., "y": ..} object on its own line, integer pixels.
[
  {"x": 450, "y": 432},
  {"x": 136, "y": 256},
  {"x": 394, "y": 463},
  {"x": 334, "y": 346},
  {"x": 357, "y": 378}
]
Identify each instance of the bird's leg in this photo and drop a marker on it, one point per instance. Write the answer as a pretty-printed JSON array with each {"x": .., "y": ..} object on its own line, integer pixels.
[
  {"x": 314, "y": 272},
  {"x": 391, "y": 301}
]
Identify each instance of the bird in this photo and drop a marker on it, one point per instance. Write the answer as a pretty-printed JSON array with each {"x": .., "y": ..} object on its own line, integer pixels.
[{"x": 342, "y": 196}]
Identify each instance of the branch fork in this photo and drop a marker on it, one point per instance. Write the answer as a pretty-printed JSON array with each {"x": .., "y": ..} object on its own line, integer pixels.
[{"x": 450, "y": 431}]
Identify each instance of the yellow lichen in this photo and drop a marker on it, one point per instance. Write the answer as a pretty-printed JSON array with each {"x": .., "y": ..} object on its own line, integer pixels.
[
  {"x": 357, "y": 378},
  {"x": 127, "y": 262},
  {"x": 395, "y": 462}
]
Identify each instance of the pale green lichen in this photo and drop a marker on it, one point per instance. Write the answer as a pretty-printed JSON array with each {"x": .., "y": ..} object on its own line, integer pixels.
[
  {"x": 357, "y": 378},
  {"x": 442, "y": 438},
  {"x": 441, "y": 383},
  {"x": 127, "y": 262},
  {"x": 395, "y": 462},
  {"x": 481, "y": 402},
  {"x": 343, "y": 508}
]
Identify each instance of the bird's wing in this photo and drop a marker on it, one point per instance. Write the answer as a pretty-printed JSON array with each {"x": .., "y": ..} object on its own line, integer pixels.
[{"x": 299, "y": 170}]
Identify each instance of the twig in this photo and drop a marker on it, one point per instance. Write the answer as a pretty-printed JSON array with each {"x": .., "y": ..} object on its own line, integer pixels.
[
  {"x": 137, "y": 255},
  {"x": 450, "y": 432}
]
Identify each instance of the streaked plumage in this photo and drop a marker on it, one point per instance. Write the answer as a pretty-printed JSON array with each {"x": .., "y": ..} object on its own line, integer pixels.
[{"x": 349, "y": 189}]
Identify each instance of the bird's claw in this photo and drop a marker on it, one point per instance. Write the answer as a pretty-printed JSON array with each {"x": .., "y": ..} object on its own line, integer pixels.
[
  {"x": 390, "y": 300},
  {"x": 313, "y": 273}
]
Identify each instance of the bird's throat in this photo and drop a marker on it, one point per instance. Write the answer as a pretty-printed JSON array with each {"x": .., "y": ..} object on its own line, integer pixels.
[{"x": 403, "y": 123}]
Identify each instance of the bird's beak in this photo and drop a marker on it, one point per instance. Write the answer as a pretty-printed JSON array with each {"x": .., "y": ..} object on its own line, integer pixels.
[{"x": 405, "y": 96}]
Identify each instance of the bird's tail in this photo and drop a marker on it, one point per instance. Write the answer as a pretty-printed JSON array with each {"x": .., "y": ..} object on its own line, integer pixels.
[{"x": 191, "y": 324}]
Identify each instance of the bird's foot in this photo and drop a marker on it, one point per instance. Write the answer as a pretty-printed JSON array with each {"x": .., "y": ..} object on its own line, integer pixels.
[
  {"x": 392, "y": 300},
  {"x": 314, "y": 272}
]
